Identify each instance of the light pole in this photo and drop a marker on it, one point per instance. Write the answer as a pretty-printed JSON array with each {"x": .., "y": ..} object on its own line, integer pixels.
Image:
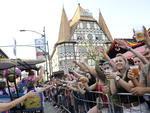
[{"x": 45, "y": 46}]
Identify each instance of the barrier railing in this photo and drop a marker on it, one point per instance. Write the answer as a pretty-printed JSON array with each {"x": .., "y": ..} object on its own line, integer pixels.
[{"x": 105, "y": 103}]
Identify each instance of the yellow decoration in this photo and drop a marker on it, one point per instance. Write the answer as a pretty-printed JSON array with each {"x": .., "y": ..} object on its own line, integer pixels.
[{"x": 34, "y": 102}]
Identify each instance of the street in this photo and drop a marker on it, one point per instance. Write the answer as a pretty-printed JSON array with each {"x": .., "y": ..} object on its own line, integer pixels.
[{"x": 49, "y": 108}]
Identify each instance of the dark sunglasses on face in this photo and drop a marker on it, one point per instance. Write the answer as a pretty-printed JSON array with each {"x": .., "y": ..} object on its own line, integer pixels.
[
  {"x": 137, "y": 61},
  {"x": 106, "y": 68}
]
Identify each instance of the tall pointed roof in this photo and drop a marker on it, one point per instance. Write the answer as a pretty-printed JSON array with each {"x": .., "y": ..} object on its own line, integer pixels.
[
  {"x": 81, "y": 14},
  {"x": 104, "y": 26},
  {"x": 64, "y": 30}
]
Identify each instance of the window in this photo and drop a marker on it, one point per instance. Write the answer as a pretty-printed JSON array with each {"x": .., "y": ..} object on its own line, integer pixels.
[
  {"x": 84, "y": 24},
  {"x": 97, "y": 37},
  {"x": 80, "y": 36},
  {"x": 90, "y": 37},
  {"x": 91, "y": 25}
]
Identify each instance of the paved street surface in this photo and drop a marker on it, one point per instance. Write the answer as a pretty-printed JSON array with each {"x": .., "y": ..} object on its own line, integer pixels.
[{"x": 49, "y": 108}]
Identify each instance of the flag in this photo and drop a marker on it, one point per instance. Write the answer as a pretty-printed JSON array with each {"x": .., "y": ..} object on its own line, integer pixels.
[{"x": 40, "y": 48}]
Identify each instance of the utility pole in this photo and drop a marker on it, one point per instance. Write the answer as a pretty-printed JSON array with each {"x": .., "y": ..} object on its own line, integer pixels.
[{"x": 46, "y": 54}]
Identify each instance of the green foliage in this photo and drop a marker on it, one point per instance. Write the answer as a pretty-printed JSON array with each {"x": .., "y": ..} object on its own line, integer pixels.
[{"x": 92, "y": 51}]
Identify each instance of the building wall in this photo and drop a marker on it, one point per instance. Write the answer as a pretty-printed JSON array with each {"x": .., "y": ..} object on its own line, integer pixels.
[
  {"x": 55, "y": 62},
  {"x": 88, "y": 35}
]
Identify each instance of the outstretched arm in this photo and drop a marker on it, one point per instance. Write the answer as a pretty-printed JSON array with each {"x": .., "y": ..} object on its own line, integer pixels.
[
  {"x": 117, "y": 77},
  {"x": 101, "y": 49},
  {"x": 77, "y": 75},
  {"x": 7, "y": 106},
  {"x": 140, "y": 90},
  {"x": 41, "y": 74},
  {"x": 44, "y": 88},
  {"x": 124, "y": 45},
  {"x": 112, "y": 86},
  {"x": 86, "y": 68},
  {"x": 90, "y": 88},
  {"x": 89, "y": 68},
  {"x": 146, "y": 36},
  {"x": 72, "y": 88},
  {"x": 81, "y": 66}
]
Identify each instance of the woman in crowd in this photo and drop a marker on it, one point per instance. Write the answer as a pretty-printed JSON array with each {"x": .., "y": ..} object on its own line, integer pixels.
[
  {"x": 124, "y": 85},
  {"x": 31, "y": 81},
  {"x": 143, "y": 86},
  {"x": 79, "y": 93},
  {"x": 102, "y": 88}
]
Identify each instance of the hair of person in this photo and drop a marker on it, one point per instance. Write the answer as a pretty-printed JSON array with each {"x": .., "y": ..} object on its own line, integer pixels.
[
  {"x": 107, "y": 63},
  {"x": 101, "y": 61},
  {"x": 121, "y": 55},
  {"x": 31, "y": 73},
  {"x": 16, "y": 71},
  {"x": 83, "y": 79}
]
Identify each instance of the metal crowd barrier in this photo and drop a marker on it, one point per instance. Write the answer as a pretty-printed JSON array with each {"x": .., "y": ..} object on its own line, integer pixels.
[{"x": 104, "y": 103}]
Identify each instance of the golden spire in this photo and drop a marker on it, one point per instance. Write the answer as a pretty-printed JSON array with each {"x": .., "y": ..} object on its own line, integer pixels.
[
  {"x": 64, "y": 30},
  {"x": 81, "y": 14},
  {"x": 104, "y": 26}
]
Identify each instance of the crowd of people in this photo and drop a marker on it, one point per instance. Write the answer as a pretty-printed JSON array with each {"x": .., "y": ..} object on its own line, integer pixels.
[
  {"x": 20, "y": 90},
  {"x": 112, "y": 86}
]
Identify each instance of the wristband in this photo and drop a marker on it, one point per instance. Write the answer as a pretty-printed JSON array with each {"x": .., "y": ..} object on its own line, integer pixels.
[{"x": 117, "y": 78}]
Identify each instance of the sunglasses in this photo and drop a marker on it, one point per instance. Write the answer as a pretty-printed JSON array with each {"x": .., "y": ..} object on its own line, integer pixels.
[{"x": 137, "y": 61}]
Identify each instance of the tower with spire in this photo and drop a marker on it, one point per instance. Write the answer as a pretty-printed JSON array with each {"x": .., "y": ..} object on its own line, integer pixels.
[{"x": 74, "y": 35}]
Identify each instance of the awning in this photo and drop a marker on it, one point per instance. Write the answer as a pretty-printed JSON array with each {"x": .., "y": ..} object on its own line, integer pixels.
[
  {"x": 21, "y": 64},
  {"x": 6, "y": 63},
  {"x": 30, "y": 61},
  {"x": 28, "y": 64}
]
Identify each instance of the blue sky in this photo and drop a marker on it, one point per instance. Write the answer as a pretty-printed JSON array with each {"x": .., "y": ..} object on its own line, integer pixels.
[{"x": 121, "y": 17}]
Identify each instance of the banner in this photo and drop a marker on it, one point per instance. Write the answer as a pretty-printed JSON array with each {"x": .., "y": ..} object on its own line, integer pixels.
[{"x": 40, "y": 48}]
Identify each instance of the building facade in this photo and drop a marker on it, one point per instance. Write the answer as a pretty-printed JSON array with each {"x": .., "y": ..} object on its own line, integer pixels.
[{"x": 79, "y": 39}]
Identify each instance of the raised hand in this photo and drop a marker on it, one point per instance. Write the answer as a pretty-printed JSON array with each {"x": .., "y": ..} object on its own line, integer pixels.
[
  {"x": 113, "y": 75},
  {"x": 146, "y": 36},
  {"x": 101, "y": 49},
  {"x": 131, "y": 74},
  {"x": 122, "y": 44},
  {"x": 138, "y": 91},
  {"x": 82, "y": 66}
]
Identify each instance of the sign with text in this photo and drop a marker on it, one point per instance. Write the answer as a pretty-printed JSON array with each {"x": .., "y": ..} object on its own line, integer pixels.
[{"x": 40, "y": 48}]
